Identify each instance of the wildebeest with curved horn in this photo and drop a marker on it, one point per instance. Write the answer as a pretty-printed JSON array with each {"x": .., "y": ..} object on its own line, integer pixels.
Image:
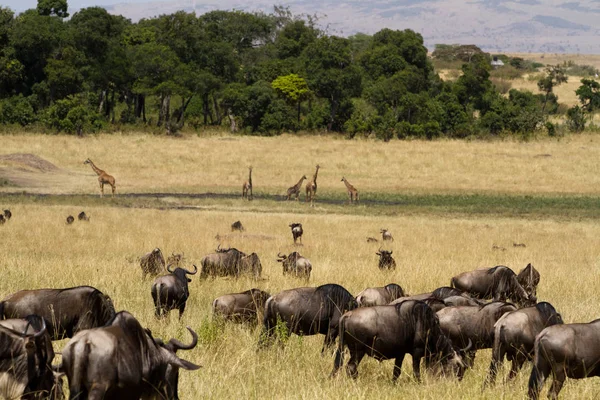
[
  {"x": 65, "y": 311},
  {"x": 224, "y": 262},
  {"x": 392, "y": 331},
  {"x": 476, "y": 324},
  {"x": 26, "y": 356},
  {"x": 514, "y": 336},
  {"x": 564, "y": 351},
  {"x": 152, "y": 263},
  {"x": 308, "y": 311},
  {"x": 499, "y": 283},
  {"x": 386, "y": 261},
  {"x": 241, "y": 307},
  {"x": 295, "y": 264},
  {"x": 379, "y": 296},
  {"x": 123, "y": 361},
  {"x": 171, "y": 291},
  {"x": 529, "y": 278}
]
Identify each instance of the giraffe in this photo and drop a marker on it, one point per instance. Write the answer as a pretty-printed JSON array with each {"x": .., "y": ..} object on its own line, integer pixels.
[
  {"x": 296, "y": 188},
  {"x": 247, "y": 186},
  {"x": 103, "y": 178},
  {"x": 311, "y": 187},
  {"x": 352, "y": 192}
]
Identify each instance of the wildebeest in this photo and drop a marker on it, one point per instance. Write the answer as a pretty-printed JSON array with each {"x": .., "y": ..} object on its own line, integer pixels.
[
  {"x": 386, "y": 261},
  {"x": 7, "y": 214},
  {"x": 514, "y": 336},
  {"x": 65, "y": 311},
  {"x": 297, "y": 231},
  {"x": 2, "y": 220},
  {"x": 308, "y": 311},
  {"x": 295, "y": 264},
  {"x": 250, "y": 264},
  {"x": 70, "y": 220},
  {"x": 83, "y": 217},
  {"x": 529, "y": 278},
  {"x": 372, "y": 240},
  {"x": 386, "y": 235},
  {"x": 454, "y": 297},
  {"x": 392, "y": 331},
  {"x": 123, "y": 361},
  {"x": 499, "y": 283},
  {"x": 171, "y": 291},
  {"x": 564, "y": 351},
  {"x": 476, "y": 324},
  {"x": 225, "y": 262},
  {"x": 152, "y": 263},
  {"x": 241, "y": 307},
  {"x": 237, "y": 226},
  {"x": 26, "y": 356},
  {"x": 379, "y": 296}
]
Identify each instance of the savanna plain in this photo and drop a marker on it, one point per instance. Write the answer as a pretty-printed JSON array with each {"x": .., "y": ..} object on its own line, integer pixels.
[{"x": 452, "y": 206}]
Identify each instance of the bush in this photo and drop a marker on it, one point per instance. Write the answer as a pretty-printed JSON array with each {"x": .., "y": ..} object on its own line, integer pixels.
[
  {"x": 362, "y": 119},
  {"x": 17, "y": 110},
  {"x": 71, "y": 115},
  {"x": 576, "y": 119}
]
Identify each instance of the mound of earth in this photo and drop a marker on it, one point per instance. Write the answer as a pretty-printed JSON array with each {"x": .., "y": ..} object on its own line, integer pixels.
[{"x": 28, "y": 162}]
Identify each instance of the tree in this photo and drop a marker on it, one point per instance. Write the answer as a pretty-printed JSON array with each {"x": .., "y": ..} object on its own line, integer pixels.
[
  {"x": 589, "y": 95},
  {"x": 56, "y": 8},
  {"x": 293, "y": 88},
  {"x": 555, "y": 75}
]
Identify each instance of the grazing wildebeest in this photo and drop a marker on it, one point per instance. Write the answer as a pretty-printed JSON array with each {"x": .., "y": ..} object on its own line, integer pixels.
[
  {"x": 225, "y": 262},
  {"x": 529, "y": 278},
  {"x": 83, "y": 217},
  {"x": 295, "y": 264},
  {"x": 392, "y": 331},
  {"x": 241, "y": 307},
  {"x": 70, "y": 220},
  {"x": 123, "y": 361},
  {"x": 379, "y": 296},
  {"x": 386, "y": 235},
  {"x": 65, "y": 311},
  {"x": 152, "y": 263},
  {"x": 447, "y": 291},
  {"x": 26, "y": 356},
  {"x": 171, "y": 291},
  {"x": 419, "y": 297},
  {"x": 386, "y": 261},
  {"x": 308, "y": 311},
  {"x": 565, "y": 351},
  {"x": 7, "y": 214},
  {"x": 476, "y": 324},
  {"x": 454, "y": 297},
  {"x": 514, "y": 336},
  {"x": 237, "y": 226},
  {"x": 499, "y": 283},
  {"x": 297, "y": 231},
  {"x": 250, "y": 264}
]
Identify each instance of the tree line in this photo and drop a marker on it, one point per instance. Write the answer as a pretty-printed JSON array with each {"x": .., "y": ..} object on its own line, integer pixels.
[{"x": 257, "y": 73}]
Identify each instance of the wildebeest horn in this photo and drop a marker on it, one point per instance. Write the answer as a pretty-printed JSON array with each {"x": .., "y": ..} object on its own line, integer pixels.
[
  {"x": 218, "y": 247},
  {"x": 41, "y": 332},
  {"x": 177, "y": 345},
  {"x": 169, "y": 268},
  {"x": 190, "y": 272},
  {"x": 468, "y": 347}
]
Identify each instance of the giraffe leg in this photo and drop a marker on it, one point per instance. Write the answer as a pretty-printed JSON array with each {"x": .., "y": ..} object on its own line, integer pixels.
[
  {"x": 113, "y": 187},
  {"x": 101, "y": 189}
]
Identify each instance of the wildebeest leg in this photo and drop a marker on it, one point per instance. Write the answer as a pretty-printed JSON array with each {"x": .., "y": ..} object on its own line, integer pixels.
[
  {"x": 355, "y": 359},
  {"x": 416, "y": 361},
  {"x": 557, "y": 383},
  {"x": 517, "y": 362},
  {"x": 181, "y": 310},
  {"x": 498, "y": 353},
  {"x": 397, "y": 367},
  {"x": 539, "y": 373},
  {"x": 96, "y": 393},
  {"x": 329, "y": 338}
]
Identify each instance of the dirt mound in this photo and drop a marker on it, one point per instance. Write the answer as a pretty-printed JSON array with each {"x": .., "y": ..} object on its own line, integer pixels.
[{"x": 28, "y": 162}]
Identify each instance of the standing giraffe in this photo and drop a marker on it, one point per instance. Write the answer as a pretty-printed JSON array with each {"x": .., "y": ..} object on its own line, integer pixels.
[
  {"x": 352, "y": 192},
  {"x": 311, "y": 187},
  {"x": 296, "y": 188},
  {"x": 103, "y": 178},
  {"x": 247, "y": 186}
]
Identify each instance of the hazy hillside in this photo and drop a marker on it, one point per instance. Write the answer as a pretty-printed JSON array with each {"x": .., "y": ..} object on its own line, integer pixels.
[{"x": 518, "y": 25}]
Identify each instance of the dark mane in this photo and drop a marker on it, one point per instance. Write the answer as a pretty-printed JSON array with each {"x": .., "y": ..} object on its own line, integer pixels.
[
  {"x": 446, "y": 291},
  {"x": 339, "y": 298},
  {"x": 104, "y": 306},
  {"x": 504, "y": 267},
  {"x": 504, "y": 303},
  {"x": 549, "y": 314},
  {"x": 395, "y": 290}
]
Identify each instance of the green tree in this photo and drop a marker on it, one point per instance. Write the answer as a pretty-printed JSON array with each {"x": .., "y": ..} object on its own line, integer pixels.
[
  {"x": 293, "y": 88},
  {"x": 555, "y": 75},
  {"x": 56, "y": 8},
  {"x": 589, "y": 95}
]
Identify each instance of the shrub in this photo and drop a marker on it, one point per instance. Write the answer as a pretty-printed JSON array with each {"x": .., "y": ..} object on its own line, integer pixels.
[
  {"x": 17, "y": 110},
  {"x": 71, "y": 115},
  {"x": 576, "y": 119}
]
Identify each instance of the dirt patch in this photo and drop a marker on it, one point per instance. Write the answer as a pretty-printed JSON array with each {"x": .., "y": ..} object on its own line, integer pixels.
[{"x": 28, "y": 162}]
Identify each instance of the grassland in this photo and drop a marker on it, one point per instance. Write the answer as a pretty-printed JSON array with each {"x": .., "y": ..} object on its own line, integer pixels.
[{"x": 447, "y": 204}]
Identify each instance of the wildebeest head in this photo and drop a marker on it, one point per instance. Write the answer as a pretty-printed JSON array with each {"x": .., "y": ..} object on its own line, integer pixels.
[
  {"x": 386, "y": 261},
  {"x": 509, "y": 285},
  {"x": 549, "y": 314},
  {"x": 70, "y": 220},
  {"x": 529, "y": 278},
  {"x": 7, "y": 214},
  {"x": 82, "y": 216},
  {"x": 181, "y": 273}
]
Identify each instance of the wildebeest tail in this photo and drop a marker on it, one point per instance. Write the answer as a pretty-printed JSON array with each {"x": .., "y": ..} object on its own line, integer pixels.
[
  {"x": 2, "y": 310},
  {"x": 339, "y": 354},
  {"x": 79, "y": 357}
]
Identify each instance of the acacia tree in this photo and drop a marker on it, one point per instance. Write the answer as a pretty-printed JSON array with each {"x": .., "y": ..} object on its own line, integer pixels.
[{"x": 555, "y": 75}]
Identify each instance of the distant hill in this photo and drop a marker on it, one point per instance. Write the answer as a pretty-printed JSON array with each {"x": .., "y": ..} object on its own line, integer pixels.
[{"x": 553, "y": 26}]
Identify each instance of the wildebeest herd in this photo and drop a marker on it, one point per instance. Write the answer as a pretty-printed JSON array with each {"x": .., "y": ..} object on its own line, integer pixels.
[{"x": 110, "y": 355}]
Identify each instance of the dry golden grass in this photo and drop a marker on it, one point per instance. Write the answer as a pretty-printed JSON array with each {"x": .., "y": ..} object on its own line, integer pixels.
[
  {"x": 142, "y": 163},
  {"x": 39, "y": 250}
]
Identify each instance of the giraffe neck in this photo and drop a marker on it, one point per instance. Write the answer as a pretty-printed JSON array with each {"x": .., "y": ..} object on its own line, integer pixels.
[
  {"x": 349, "y": 186},
  {"x": 250, "y": 178},
  {"x": 96, "y": 169},
  {"x": 315, "y": 177},
  {"x": 299, "y": 182}
]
